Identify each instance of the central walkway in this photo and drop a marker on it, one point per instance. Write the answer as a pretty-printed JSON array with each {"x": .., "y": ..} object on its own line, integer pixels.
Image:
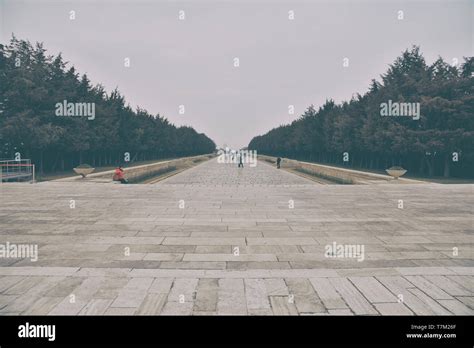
[
  {"x": 213, "y": 173},
  {"x": 217, "y": 239}
]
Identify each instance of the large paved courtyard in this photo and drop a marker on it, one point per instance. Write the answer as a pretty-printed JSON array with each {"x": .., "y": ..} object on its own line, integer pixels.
[{"x": 216, "y": 239}]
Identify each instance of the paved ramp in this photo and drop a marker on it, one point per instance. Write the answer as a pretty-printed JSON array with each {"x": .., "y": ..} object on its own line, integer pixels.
[{"x": 221, "y": 240}]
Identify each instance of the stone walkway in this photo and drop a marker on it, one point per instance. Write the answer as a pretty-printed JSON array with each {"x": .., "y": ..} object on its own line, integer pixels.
[{"x": 216, "y": 239}]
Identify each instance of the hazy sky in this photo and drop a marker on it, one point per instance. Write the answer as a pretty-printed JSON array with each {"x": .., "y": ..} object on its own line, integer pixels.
[{"x": 282, "y": 62}]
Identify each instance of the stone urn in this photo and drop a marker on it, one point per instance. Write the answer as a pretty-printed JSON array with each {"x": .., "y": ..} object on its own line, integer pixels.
[
  {"x": 396, "y": 172},
  {"x": 83, "y": 170}
]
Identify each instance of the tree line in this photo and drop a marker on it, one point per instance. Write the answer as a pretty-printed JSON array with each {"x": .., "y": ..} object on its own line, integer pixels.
[
  {"x": 357, "y": 133},
  {"x": 33, "y": 84}
]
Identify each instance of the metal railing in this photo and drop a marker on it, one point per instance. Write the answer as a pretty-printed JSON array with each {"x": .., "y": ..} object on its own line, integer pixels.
[{"x": 17, "y": 170}]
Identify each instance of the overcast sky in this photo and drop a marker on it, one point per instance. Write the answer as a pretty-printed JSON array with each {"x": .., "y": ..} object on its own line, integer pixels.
[{"x": 282, "y": 62}]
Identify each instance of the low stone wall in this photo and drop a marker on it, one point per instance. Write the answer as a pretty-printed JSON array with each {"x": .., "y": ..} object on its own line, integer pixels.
[
  {"x": 142, "y": 172},
  {"x": 335, "y": 174}
]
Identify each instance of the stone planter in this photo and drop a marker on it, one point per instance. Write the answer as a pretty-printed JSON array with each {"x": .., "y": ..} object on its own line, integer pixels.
[
  {"x": 83, "y": 171},
  {"x": 396, "y": 172}
]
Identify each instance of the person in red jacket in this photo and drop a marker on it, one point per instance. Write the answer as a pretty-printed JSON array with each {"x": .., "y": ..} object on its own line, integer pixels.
[{"x": 120, "y": 175}]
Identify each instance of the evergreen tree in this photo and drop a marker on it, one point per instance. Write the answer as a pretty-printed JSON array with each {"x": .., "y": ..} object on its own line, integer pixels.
[
  {"x": 426, "y": 146},
  {"x": 32, "y": 83}
]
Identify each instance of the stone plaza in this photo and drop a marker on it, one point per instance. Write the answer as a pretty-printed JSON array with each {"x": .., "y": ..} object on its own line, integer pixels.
[{"x": 220, "y": 240}]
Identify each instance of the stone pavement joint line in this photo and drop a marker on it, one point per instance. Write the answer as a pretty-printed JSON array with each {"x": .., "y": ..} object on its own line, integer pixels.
[{"x": 219, "y": 240}]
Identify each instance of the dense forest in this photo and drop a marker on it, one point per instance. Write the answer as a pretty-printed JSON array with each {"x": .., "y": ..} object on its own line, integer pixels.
[
  {"x": 32, "y": 83},
  {"x": 440, "y": 142}
]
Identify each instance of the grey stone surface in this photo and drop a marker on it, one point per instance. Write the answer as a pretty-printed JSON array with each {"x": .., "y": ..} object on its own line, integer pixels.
[{"x": 131, "y": 249}]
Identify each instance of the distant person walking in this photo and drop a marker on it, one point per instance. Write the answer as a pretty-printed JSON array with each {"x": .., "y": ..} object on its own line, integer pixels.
[
  {"x": 120, "y": 175},
  {"x": 241, "y": 163},
  {"x": 278, "y": 162}
]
